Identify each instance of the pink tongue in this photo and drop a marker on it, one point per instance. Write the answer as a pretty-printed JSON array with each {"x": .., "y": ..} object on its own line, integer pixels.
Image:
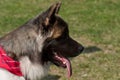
[{"x": 68, "y": 65}]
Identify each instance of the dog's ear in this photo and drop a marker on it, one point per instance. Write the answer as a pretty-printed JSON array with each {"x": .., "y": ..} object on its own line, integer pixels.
[{"x": 49, "y": 16}]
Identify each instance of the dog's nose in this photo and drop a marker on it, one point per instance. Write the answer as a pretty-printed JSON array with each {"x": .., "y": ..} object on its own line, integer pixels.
[{"x": 81, "y": 48}]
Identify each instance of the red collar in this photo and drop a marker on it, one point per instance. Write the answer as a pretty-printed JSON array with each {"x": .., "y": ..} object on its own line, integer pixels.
[{"x": 9, "y": 64}]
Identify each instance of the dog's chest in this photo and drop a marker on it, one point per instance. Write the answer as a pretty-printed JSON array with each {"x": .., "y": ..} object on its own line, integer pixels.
[{"x": 31, "y": 70}]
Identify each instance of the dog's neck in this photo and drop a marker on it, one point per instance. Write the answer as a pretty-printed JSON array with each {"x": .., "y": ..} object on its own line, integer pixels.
[
  {"x": 33, "y": 71},
  {"x": 27, "y": 51}
]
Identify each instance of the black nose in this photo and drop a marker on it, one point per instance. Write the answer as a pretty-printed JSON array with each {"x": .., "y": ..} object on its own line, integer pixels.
[{"x": 81, "y": 48}]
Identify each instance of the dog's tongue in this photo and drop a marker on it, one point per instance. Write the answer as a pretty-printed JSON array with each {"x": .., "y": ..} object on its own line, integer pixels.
[{"x": 68, "y": 66}]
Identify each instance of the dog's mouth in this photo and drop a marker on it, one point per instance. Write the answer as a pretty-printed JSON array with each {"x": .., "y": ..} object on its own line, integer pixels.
[{"x": 60, "y": 61}]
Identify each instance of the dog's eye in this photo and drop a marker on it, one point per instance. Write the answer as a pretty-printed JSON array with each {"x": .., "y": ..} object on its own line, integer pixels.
[{"x": 62, "y": 38}]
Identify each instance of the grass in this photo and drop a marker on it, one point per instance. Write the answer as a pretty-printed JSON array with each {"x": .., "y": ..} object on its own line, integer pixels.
[{"x": 94, "y": 23}]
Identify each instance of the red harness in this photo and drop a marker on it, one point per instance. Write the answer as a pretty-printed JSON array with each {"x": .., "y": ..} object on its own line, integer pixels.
[{"x": 9, "y": 64}]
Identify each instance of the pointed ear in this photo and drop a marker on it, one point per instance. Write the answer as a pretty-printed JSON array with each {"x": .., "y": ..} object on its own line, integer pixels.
[
  {"x": 49, "y": 15},
  {"x": 54, "y": 9}
]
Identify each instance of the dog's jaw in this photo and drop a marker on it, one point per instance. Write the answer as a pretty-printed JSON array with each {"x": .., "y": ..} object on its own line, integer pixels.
[{"x": 33, "y": 71}]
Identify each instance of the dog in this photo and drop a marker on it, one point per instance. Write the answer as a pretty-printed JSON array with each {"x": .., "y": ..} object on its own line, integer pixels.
[{"x": 38, "y": 43}]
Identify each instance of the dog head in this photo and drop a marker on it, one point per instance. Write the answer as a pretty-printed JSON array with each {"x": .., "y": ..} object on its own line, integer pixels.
[{"x": 58, "y": 45}]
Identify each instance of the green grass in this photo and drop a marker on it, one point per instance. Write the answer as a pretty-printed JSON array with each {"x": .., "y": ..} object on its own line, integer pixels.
[{"x": 94, "y": 23}]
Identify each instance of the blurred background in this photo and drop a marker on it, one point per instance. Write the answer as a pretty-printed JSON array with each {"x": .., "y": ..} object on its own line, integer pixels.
[{"x": 93, "y": 23}]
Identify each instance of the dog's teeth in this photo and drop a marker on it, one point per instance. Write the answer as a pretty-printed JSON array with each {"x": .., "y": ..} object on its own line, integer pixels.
[
  {"x": 55, "y": 53},
  {"x": 64, "y": 62}
]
